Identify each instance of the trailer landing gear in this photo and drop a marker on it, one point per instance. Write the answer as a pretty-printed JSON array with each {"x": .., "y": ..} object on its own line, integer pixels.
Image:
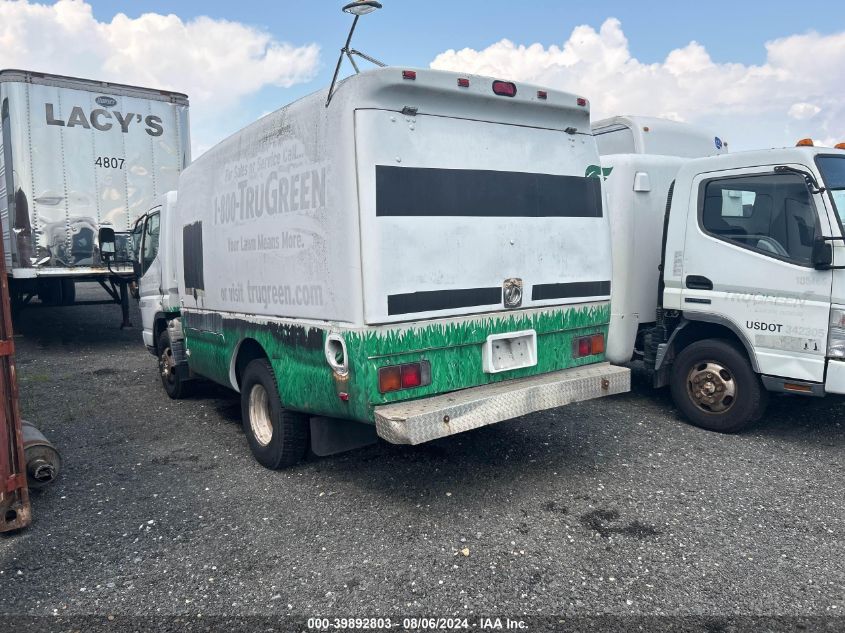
[{"x": 62, "y": 292}]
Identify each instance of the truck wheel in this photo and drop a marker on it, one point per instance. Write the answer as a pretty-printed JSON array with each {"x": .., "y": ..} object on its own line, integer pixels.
[
  {"x": 277, "y": 437},
  {"x": 175, "y": 387},
  {"x": 715, "y": 387}
]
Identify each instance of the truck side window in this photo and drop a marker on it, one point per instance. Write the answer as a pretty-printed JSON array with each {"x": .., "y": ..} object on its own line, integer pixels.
[
  {"x": 771, "y": 214},
  {"x": 150, "y": 247}
]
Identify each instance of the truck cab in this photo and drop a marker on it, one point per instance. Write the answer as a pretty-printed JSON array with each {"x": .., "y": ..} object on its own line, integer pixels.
[
  {"x": 154, "y": 261},
  {"x": 746, "y": 278}
]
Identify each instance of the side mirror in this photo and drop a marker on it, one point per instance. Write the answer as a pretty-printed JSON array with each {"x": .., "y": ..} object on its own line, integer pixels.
[
  {"x": 822, "y": 254},
  {"x": 107, "y": 243}
]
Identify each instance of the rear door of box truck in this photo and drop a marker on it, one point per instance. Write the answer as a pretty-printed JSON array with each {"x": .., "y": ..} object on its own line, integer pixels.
[
  {"x": 80, "y": 154},
  {"x": 458, "y": 211}
]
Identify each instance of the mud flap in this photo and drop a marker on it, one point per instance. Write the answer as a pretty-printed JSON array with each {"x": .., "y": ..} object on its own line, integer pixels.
[{"x": 330, "y": 436}]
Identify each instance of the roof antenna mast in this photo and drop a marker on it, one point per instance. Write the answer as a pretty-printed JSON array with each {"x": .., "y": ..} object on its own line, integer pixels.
[{"x": 357, "y": 8}]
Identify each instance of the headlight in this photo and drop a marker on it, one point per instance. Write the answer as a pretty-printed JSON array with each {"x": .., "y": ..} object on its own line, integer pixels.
[{"x": 836, "y": 336}]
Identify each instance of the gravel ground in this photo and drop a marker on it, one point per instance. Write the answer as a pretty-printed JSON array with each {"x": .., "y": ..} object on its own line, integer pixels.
[{"x": 607, "y": 507}]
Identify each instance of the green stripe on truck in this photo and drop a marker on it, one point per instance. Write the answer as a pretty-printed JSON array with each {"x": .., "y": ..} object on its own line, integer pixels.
[{"x": 453, "y": 347}]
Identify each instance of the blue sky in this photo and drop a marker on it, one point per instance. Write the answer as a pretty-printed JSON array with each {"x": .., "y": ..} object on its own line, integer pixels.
[{"x": 413, "y": 32}]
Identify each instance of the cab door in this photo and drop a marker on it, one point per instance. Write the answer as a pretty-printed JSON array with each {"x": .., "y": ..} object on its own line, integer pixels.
[
  {"x": 748, "y": 265},
  {"x": 149, "y": 270}
]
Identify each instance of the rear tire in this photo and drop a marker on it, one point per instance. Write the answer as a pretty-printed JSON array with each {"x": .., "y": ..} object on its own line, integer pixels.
[
  {"x": 715, "y": 387},
  {"x": 278, "y": 437},
  {"x": 175, "y": 387}
]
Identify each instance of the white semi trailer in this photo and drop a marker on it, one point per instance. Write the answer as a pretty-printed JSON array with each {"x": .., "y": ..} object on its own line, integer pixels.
[
  {"x": 427, "y": 255},
  {"x": 728, "y": 277},
  {"x": 79, "y": 154}
]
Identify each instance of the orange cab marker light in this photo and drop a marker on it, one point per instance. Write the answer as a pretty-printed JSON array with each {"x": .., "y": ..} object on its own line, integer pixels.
[
  {"x": 804, "y": 142},
  {"x": 839, "y": 146},
  {"x": 788, "y": 386}
]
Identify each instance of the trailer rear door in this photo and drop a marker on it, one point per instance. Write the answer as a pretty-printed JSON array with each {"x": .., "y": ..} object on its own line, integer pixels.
[{"x": 455, "y": 213}]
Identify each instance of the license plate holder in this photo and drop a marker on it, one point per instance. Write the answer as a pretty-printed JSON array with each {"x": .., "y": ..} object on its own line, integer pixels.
[{"x": 509, "y": 351}]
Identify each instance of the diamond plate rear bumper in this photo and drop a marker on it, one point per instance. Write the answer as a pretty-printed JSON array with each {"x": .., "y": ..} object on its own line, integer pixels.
[{"x": 427, "y": 419}]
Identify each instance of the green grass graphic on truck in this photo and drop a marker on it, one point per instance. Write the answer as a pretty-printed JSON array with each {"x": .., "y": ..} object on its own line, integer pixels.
[{"x": 453, "y": 349}]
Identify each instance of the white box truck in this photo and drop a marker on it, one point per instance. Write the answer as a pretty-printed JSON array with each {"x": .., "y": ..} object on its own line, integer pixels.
[
  {"x": 427, "y": 255},
  {"x": 78, "y": 154},
  {"x": 728, "y": 277}
]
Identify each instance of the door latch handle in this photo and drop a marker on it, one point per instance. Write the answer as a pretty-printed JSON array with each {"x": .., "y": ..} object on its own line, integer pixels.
[{"x": 697, "y": 282}]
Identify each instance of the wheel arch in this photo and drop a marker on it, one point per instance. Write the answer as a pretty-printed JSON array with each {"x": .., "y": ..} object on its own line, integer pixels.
[
  {"x": 246, "y": 351},
  {"x": 160, "y": 321},
  {"x": 159, "y": 326},
  {"x": 699, "y": 327}
]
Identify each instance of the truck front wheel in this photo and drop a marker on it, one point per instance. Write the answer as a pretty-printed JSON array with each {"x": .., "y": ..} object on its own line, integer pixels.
[
  {"x": 176, "y": 387},
  {"x": 715, "y": 387},
  {"x": 277, "y": 437}
]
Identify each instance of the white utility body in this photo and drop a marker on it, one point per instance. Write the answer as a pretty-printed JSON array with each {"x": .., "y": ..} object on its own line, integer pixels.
[
  {"x": 725, "y": 276},
  {"x": 427, "y": 254}
]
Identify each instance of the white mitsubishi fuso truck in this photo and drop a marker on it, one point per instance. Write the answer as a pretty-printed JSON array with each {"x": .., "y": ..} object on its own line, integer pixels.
[
  {"x": 427, "y": 255},
  {"x": 728, "y": 268}
]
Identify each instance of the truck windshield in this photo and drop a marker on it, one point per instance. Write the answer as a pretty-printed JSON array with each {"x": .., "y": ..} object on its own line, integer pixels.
[{"x": 833, "y": 172}]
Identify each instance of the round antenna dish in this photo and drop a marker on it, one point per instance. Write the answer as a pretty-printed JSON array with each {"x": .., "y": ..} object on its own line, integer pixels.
[{"x": 362, "y": 7}]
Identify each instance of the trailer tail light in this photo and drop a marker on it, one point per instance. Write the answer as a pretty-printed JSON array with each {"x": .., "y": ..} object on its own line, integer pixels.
[
  {"x": 463, "y": 83},
  {"x": 542, "y": 94},
  {"x": 408, "y": 376},
  {"x": 581, "y": 101},
  {"x": 504, "y": 88},
  {"x": 588, "y": 346},
  {"x": 409, "y": 74}
]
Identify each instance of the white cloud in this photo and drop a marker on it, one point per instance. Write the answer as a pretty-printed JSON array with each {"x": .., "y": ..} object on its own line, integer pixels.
[
  {"x": 216, "y": 62},
  {"x": 802, "y": 111},
  {"x": 799, "y": 91}
]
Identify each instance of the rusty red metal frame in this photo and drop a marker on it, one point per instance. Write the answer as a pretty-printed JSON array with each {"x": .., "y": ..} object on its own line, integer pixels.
[{"x": 15, "y": 510}]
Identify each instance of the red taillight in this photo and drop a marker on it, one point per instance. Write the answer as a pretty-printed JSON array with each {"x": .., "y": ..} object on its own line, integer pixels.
[
  {"x": 581, "y": 101},
  {"x": 504, "y": 88},
  {"x": 406, "y": 376},
  {"x": 542, "y": 94},
  {"x": 409, "y": 74},
  {"x": 583, "y": 347},
  {"x": 463, "y": 83},
  {"x": 411, "y": 376},
  {"x": 588, "y": 346}
]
